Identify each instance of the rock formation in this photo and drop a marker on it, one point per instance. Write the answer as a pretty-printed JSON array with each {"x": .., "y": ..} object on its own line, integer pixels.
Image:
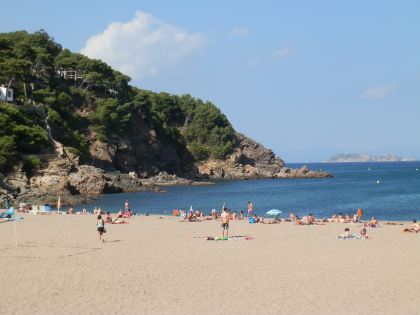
[{"x": 252, "y": 160}]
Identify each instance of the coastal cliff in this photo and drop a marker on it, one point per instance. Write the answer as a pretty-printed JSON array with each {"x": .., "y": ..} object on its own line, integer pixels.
[{"x": 77, "y": 129}]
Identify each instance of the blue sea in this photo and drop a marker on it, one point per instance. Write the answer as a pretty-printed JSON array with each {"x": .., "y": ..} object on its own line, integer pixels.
[{"x": 389, "y": 191}]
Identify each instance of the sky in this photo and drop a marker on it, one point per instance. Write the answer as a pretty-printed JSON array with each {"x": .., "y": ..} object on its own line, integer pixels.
[{"x": 307, "y": 79}]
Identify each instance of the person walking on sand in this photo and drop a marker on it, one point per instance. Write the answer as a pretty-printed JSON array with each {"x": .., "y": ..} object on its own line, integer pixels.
[
  {"x": 250, "y": 208},
  {"x": 100, "y": 225},
  {"x": 225, "y": 222}
]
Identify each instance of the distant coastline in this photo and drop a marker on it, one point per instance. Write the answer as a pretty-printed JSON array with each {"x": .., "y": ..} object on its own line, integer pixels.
[{"x": 361, "y": 157}]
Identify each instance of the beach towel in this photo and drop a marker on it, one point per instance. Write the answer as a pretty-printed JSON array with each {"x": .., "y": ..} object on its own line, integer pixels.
[{"x": 348, "y": 238}]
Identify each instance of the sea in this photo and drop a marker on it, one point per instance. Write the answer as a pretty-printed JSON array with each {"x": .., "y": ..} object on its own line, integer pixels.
[{"x": 387, "y": 190}]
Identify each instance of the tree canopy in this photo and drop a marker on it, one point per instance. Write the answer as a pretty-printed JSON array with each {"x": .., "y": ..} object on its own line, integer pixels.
[{"x": 84, "y": 99}]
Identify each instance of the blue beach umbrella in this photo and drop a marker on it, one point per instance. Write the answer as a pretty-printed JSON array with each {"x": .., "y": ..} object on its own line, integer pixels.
[{"x": 273, "y": 212}]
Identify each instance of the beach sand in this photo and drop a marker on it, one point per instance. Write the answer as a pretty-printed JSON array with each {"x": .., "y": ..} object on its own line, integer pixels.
[{"x": 162, "y": 266}]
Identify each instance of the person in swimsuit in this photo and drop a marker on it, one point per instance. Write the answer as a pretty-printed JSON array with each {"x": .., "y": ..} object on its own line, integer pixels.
[
  {"x": 225, "y": 222},
  {"x": 363, "y": 233},
  {"x": 414, "y": 228},
  {"x": 100, "y": 224},
  {"x": 250, "y": 208}
]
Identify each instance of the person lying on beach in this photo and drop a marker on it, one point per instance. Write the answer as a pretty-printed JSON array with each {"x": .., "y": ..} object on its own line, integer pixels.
[
  {"x": 311, "y": 219},
  {"x": 347, "y": 235},
  {"x": 415, "y": 227},
  {"x": 303, "y": 221}
]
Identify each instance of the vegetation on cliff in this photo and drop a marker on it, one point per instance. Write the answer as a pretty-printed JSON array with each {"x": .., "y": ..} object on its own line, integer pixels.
[{"x": 84, "y": 101}]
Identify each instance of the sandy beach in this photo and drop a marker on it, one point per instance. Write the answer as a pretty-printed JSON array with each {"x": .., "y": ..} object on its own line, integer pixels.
[{"x": 161, "y": 266}]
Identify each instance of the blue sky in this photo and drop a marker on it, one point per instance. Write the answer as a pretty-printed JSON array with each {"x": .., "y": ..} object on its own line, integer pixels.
[{"x": 306, "y": 78}]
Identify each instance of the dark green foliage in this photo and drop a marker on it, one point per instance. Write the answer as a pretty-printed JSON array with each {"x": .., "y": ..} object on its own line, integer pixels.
[
  {"x": 30, "y": 164},
  {"x": 20, "y": 133},
  {"x": 82, "y": 98},
  {"x": 8, "y": 154}
]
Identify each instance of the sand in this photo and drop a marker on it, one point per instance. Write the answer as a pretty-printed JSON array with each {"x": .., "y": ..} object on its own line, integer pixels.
[{"x": 161, "y": 266}]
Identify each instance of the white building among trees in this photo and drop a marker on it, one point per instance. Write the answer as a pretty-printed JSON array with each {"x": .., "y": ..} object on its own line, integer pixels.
[{"x": 3, "y": 96}]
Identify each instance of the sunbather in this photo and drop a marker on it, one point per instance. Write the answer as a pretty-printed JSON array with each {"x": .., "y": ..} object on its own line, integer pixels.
[
  {"x": 108, "y": 218},
  {"x": 311, "y": 219},
  {"x": 415, "y": 228},
  {"x": 347, "y": 235}
]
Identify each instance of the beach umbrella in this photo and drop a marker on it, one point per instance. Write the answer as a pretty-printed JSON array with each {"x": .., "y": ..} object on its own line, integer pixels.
[{"x": 273, "y": 212}]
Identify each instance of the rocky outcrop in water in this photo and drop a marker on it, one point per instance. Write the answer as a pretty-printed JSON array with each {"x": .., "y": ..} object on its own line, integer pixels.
[{"x": 252, "y": 160}]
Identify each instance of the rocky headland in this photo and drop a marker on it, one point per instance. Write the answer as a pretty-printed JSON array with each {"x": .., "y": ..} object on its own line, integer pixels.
[
  {"x": 77, "y": 129},
  {"x": 62, "y": 175}
]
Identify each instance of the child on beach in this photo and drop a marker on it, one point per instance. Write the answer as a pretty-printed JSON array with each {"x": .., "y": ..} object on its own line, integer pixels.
[
  {"x": 100, "y": 224},
  {"x": 363, "y": 233}
]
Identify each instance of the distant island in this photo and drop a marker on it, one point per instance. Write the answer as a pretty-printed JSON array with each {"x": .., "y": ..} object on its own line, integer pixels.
[{"x": 358, "y": 157}]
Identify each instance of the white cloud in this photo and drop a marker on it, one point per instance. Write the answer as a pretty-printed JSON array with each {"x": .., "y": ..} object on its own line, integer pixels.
[
  {"x": 142, "y": 47},
  {"x": 377, "y": 92},
  {"x": 284, "y": 52},
  {"x": 239, "y": 31}
]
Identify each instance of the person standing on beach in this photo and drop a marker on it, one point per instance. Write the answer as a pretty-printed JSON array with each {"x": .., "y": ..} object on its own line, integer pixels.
[
  {"x": 100, "y": 225},
  {"x": 250, "y": 208},
  {"x": 225, "y": 222},
  {"x": 359, "y": 214}
]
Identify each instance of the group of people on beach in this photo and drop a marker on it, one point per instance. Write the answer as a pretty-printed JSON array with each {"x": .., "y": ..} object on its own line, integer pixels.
[{"x": 225, "y": 216}]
